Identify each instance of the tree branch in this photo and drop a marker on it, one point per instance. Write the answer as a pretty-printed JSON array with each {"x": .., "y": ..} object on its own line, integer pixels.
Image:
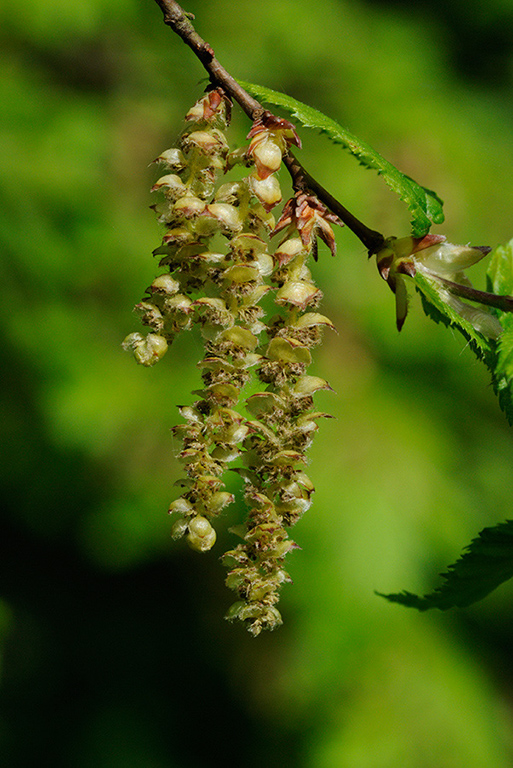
[
  {"x": 301, "y": 179},
  {"x": 179, "y": 21},
  {"x": 176, "y": 18}
]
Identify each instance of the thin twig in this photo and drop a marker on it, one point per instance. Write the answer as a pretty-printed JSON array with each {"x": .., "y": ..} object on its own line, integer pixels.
[
  {"x": 371, "y": 239},
  {"x": 502, "y": 302},
  {"x": 176, "y": 18}
]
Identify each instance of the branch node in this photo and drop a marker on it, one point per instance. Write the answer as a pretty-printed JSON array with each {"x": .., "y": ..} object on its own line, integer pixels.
[{"x": 179, "y": 20}]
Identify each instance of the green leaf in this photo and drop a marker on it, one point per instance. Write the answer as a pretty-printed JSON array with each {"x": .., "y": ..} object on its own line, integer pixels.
[
  {"x": 500, "y": 280},
  {"x": 497, "y": 355},
  {"x": 486, "y": 563},
  {"x": 440, "y": 311},
  {"x": 424, "y": 204},
  {"x": 500, "y": 269}
]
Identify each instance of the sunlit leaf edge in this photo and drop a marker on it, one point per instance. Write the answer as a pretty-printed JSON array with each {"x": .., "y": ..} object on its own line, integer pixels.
[{"x": 424, "y": 204}]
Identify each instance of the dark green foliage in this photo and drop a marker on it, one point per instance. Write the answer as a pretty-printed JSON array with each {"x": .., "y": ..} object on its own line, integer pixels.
[
  {"x": 485, "y": 564},
  {"x": 440, "y": 311},
  {"x": 496, "y": 354},
  {"x": 488, "y": 560},
  {"x": 500, "y": 280}
]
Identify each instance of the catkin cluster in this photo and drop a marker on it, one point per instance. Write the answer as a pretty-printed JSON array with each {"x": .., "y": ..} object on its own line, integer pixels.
[{"x": 218, "y": 283}]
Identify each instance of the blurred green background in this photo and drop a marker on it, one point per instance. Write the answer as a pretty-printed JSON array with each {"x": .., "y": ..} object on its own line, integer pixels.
[{"x": 114, "y": 651}]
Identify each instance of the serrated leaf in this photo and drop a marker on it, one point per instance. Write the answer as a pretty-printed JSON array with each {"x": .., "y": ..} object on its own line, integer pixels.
[
  {"x": 486, "y": 563},
  {"x": 503, "y": 373},
  {"x": 500, "y": 280},
  {"x": 439, "y": 311},
  {"x": 500, "y": 269},
  {"x": 424, "y": 204}
]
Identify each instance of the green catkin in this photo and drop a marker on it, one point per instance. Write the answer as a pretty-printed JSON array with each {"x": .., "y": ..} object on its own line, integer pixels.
[
  {"x": 278, "y": 491},
  {"x": 220, "y": 289}
]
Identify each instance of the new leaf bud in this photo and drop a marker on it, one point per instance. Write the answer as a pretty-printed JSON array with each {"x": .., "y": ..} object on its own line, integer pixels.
[
  {"x": 267, "y": 156},
  {"x": 173, "y": 158},
  {"x": 172, "y": 185},
  {"x": 147, "y": 351},
  {"x": 164, "y": 284},
  {"x": 201, "y": 536},
  {"x": 299, "y": 293},
  {"x": 267, "y": 190},
  {"x": 228, "y": 216}
]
